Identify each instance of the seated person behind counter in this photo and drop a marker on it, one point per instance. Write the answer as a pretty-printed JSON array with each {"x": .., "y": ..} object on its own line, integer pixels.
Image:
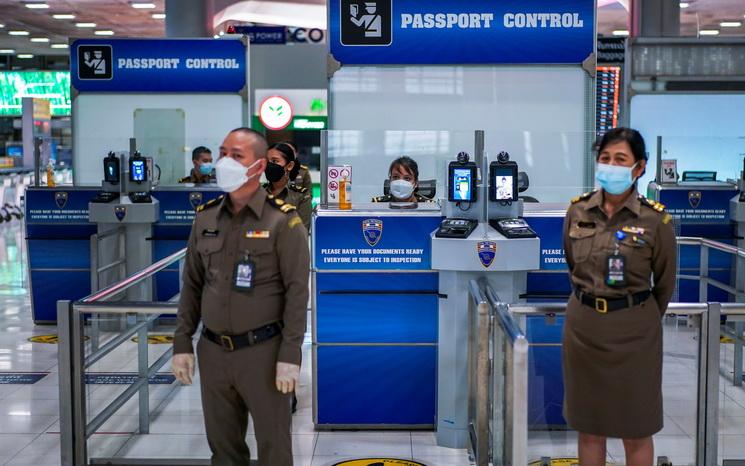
[
  {"x": 282, "y": 168},
  {"x": 203, "y": 171},
  {"x": 404, "y": 176}
]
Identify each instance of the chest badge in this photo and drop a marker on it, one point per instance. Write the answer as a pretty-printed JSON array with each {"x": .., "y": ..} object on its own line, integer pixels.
[
  {"x": 487, "y": 251},
  {"x": 694, "y": 198},
  {"x": 633, "y": 230},
  {"x": 372, "y": 230},
  {"x": 262, "y": 234}
]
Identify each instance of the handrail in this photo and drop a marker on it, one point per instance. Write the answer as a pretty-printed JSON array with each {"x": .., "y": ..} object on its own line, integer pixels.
[
  {"x": 134, "y": 279},
  {"x": 502, "y": 311},
  {"x": 475, "y": 292},
  {"x": 723, "y": 247},
  {"x": 124, "y": 307}
]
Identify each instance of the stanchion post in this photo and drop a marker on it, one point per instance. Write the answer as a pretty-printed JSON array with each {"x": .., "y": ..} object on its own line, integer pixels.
[{"x": 707, "y": 423}]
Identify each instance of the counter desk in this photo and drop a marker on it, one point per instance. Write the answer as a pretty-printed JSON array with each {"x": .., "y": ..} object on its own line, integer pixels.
[{"x": 375, "y": 306}]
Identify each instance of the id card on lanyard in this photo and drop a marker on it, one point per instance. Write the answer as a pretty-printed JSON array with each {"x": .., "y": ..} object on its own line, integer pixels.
[{"x": 243, "y": 276}]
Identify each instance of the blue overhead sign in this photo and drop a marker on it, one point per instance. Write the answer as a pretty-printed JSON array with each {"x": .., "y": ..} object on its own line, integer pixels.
[
  {"x": 158, "y": 65},
  {"x": 461, "y": 32}
]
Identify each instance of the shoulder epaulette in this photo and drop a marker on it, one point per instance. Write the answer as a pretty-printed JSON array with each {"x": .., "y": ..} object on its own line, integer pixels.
[
  {"x": 304, "y": 167},
  {"x": 652, "y": 204},
  {"x": 210, "y": 203},
  {"x": 185, "y": 179},
  {"x": 381, "y": 199},
  {"x": 280, "y": 204},
  {"x": 582, "y": 197},
  {"x": 297, "y": 188}
]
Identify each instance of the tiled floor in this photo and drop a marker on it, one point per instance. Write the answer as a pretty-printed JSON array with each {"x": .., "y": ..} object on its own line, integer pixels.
[{"x": 29, "y": 420}]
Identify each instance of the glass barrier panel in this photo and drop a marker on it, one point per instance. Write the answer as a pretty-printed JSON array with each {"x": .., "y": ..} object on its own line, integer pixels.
[{"x": 731, "y": 392}]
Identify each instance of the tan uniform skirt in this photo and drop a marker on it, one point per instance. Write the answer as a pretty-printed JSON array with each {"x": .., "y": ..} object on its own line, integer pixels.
[{"x": 612, "y": 366}]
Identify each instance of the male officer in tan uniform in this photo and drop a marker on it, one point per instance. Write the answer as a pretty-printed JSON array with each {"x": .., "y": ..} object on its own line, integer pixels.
[{"x": 246, "y": 278}]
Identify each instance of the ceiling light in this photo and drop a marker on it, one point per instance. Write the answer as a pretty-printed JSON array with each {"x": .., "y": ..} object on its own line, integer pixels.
[
  {"x": 621, "y": 33},
  {"x": 63, "y": 16},
  {"x": 731, "y": 24},
  {"x": 5, "y": 51},
  {"x": 37, "y": 6},
  {"x": 25, "y": 55},
  {"x": 143, "y": 6},
  {"x": 709, "y": 32},
  {"x": 2, "y": 26},
  {"x": 105, "y": 32},
  {"x": 684, "y": 4},
  {"x": 60, "y": 46},
  {"x": 18, "y": 33},
  {"x": 85, "y": 25},
  {"x": 39, "y": 39},
  {"x": 159, "y": 16}
]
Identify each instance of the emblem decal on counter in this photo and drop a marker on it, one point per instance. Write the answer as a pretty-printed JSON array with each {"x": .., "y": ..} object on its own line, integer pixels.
[
  {"x": 60, "y": 199},
  {"x": 372, "y": 230},
  {"x": 120, "y": 211},
  {"x": 195, "y": 199},
  {"x": 487, "y": 251},
  {"x": 694, "y": 198}
]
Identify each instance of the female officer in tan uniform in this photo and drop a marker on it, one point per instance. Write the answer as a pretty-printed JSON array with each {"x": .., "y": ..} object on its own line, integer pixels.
[
  {"x": 283, "y": 167},
  {"x": 621, "y": 252}
]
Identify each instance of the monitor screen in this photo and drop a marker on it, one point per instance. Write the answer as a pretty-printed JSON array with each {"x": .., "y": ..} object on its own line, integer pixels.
[
  {"x": 461, "y": 184},
  {"x": 137, "y": 170},
  {"x": 504, "y": 181}
]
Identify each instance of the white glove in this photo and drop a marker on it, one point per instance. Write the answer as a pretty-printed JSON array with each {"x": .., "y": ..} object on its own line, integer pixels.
[
  {"x": 182, "y": 366},
  {"x": 287, "y": 377}
]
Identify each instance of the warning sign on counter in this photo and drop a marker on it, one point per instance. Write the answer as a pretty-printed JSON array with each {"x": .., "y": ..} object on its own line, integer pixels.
[{"x": 335, "y": 174}]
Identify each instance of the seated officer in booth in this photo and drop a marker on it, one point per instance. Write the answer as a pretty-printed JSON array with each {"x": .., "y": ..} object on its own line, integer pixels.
[
  {"x": 403, "y": 179},
  {"x": 203, "y": 171}
]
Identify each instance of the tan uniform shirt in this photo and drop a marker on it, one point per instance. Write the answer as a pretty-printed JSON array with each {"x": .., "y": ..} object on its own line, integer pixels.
[
  {"x": 303, "y": 179},
  {"x": 649, "y": 247},
  {"x": 300, "y": 198},
  {"x": 389, "y": 198},
  {"x": 197, "y": 179},
  {"x": 273, "y": 236}
]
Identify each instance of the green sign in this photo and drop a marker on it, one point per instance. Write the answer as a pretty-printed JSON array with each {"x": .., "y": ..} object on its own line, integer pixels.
[
  {"x": 51, "y": 85},
  {"x": 299, "y": 123}
]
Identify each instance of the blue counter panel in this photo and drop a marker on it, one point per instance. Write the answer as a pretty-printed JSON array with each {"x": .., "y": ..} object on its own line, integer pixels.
[
  {"x": 373, "y": 242},
  {"x": 365, "y": 318},
  {"x": 60, "y": 254},
  {"x": 543, "y": 286},
  {"x": 50, "y": 286},
  {"x": 398, "y": 381},
  {"x": 377, "y": 281},
  {"x": 167, "y": 282}
]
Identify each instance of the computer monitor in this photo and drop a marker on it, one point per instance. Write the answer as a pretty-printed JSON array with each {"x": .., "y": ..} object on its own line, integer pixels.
[
  {"x": 138, "y": 169},
  {"x": 462, "y": 182},
  {"x": 503, "y": 182}
]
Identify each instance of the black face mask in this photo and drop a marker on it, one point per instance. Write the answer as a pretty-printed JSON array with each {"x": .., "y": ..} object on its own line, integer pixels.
[{"x": 274, "y": 172}]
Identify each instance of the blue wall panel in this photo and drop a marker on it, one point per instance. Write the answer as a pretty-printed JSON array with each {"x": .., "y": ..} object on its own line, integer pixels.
[
  {"x": 55, "y": 285},
  {"x": 376, "y": 385}
]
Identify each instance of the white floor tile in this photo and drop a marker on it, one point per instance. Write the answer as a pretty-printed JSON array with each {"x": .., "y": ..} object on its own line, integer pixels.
[
  {"x": 425, "y": 444},
  {"x": 364, "y": 444},
  {"x": 12, "y": 444}
]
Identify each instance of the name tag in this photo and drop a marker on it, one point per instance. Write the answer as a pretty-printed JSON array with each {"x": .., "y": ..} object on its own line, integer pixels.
[
  {"x": 257, "y": 234},
  {"x": 210, "y": 233}
]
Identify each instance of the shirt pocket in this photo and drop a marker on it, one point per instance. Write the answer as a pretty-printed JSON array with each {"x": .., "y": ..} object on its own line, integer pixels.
[
  {"x": 636, "y": 247},
  {"x": 209, "y": 249},
  {"x": 581, "y": 239},
  {"x": 262, "y": 253}
]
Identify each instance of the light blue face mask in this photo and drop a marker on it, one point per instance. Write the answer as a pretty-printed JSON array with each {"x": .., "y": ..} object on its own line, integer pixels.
[
  {"x": 206, "y": 168},
  {"x": 614, "y": 179}
]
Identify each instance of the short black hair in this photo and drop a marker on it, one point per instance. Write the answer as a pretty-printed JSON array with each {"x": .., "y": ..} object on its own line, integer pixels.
[
  {"x": 289, "y": 155},
  {"x": 407, "y": 163},
  {"x": 628, "y": 135},
  {"x": 199, "y": 151},
  {"x": 260, "y": 145}
]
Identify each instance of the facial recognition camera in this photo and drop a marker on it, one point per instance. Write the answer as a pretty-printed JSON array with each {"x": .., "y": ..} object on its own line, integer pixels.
[
  {"x": 111, "y": 169},
  {"x": 503, "y": 179},
  {"x": 462, "y": 180}
]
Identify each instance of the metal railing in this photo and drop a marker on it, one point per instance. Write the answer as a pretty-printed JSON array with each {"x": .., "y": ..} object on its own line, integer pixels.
[
  {"x": 119, "y": 263},
  {"x": 75, "y": 358},
  {"x": 735, "y": 326},
  {"x": 707, "y": 320},
  {"x": 498, "y": 381}
]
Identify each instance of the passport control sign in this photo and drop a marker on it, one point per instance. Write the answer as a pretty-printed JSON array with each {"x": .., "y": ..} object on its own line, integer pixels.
[{"x": 461, "y": 31}]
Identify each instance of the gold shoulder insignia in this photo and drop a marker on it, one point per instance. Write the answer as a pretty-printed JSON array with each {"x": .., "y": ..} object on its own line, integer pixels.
[
  {"x": 211, "y": 203},
  {"x": 297, "y": 188},
  {"x": 379, "y": 199},
  {"x": 185, "y": 179},
  {"x": 280, "y": 204},
  {"x": 582, "y": 197},
  {"x": 294, "y": 221},
  {"x": 667, "y": 219},
  {"x": 304, "y": 167},
  {"x": 654, "y": 205}
]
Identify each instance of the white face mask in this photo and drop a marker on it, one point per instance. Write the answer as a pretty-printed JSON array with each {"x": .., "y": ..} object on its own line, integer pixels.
[
  {"x": 231, "y": 174},
  {"x": 401, "y": 189}
]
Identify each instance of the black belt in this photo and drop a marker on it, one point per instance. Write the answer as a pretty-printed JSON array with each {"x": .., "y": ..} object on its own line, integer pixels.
[
  {"x": 253, "y": 337},
  {"x": 605, "y": 305}
]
